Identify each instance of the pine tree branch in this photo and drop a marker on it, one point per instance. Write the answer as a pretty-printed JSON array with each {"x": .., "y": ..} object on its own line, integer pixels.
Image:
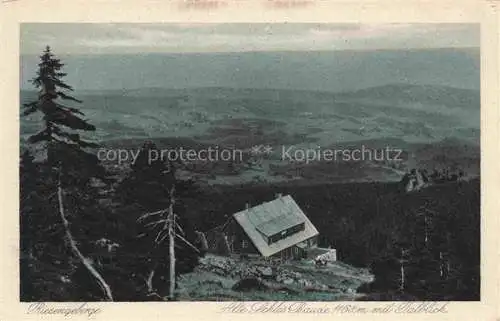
[
  {"x": 71, "y": 109},
  {"x": 71, "y": 137},
  {"x": 142, "y": 217},
  {"x": 38, "y": 137},
  {"x": 159, "y": 238},
  {"x": 179, "y": 228},
  {"x": 155, "y": 223},
  {"x": 31, "y": 104},
  {"x": 68, "y": 119},
  {"x": 187, "y": 242},
  {"x": 68, "y": 97},
  {"x": 86, "y": 262},
  {"x": 29, "y": 111},
  {"x": 61, "y": 84},
  {"x": 30, "y": 108},
  {"x": 74, "y": 139}
]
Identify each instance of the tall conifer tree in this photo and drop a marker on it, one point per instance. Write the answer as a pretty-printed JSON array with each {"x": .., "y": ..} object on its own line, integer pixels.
[
  {"x": 57, "y": 195},
  {"x": 64, "y": 145}
]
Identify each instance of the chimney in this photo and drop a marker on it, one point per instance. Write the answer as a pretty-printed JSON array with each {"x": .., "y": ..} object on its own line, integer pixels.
[
  {"x": 278, "y": 195},
  {"x": 247, "y": 206}
]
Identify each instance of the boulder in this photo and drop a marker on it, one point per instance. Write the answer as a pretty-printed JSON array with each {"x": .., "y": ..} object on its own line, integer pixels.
[
  {"x": 265, "y": 271},
  {"x": 282, "y": 276},
  {"x": 324, "y": 287}
]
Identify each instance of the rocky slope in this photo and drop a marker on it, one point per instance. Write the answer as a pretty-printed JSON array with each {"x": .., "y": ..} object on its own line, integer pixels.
[{"x": 220, "y": 278}]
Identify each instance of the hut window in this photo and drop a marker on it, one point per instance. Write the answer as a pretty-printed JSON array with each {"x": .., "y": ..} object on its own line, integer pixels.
[{"x": 244, "y": 244}]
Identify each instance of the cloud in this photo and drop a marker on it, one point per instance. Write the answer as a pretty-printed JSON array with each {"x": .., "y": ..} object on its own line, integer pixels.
[{"x": 198, "y": 37}]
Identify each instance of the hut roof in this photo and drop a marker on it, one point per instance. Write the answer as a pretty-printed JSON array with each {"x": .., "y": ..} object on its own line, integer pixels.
[{"x": 270, "y": 218}]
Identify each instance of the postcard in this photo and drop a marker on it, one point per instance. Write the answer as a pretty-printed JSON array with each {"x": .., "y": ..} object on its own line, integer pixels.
[{"x": 218, "y": 159}]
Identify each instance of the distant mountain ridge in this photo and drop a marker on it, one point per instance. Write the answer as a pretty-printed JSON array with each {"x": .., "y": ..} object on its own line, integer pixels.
[
  {"x": 332, "y": 71},
  {"x": 411, "y": 92},
  {"x": 424, "y": 94}
]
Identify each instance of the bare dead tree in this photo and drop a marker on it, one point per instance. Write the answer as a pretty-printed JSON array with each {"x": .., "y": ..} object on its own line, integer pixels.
[
  {"x": 402, "y": 261},
  {"x": 74, "y": 248},
  {"x": 427, "y": 215},
  {"x": 170, "y": 225},
  {"x": 172, "y": 230}
]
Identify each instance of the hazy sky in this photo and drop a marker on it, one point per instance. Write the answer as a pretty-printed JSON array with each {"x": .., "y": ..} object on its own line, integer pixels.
[{"x": 97, "y": 38}]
